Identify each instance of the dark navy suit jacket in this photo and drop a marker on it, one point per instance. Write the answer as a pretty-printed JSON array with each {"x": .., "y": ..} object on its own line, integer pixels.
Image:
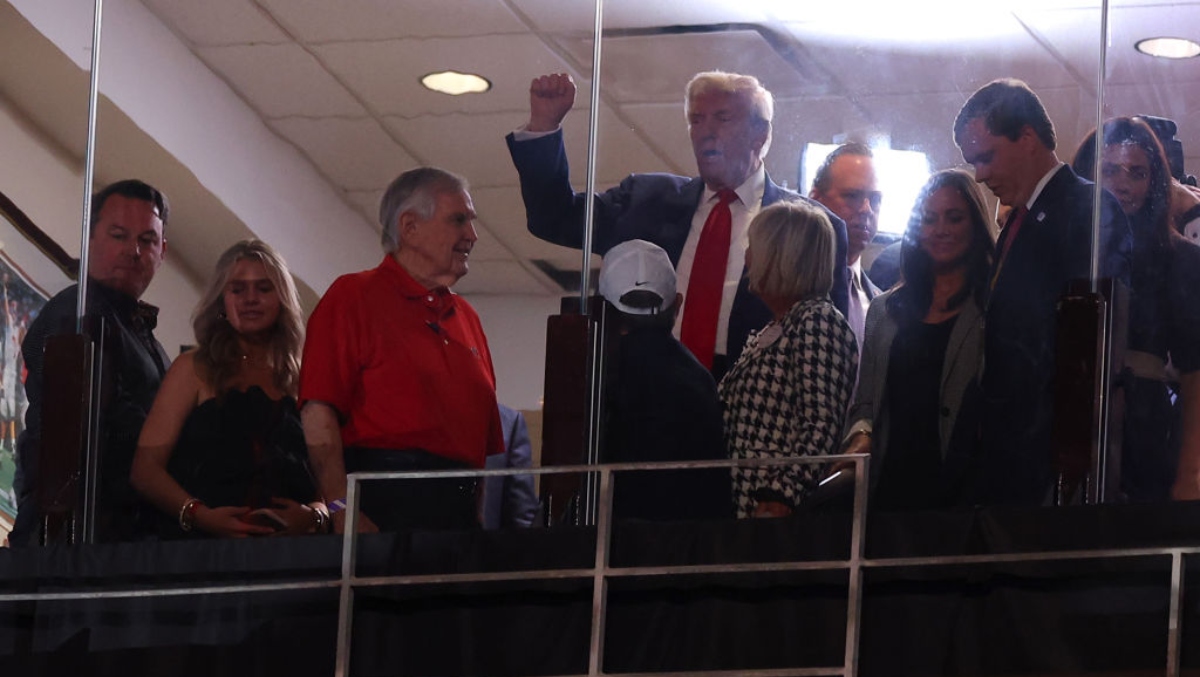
[
  {"x": 1052, "y": 247},
  {"x": 653, "y": 207}
]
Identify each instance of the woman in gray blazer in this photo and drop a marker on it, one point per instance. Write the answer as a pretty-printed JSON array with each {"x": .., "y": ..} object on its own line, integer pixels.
[{"x": 916, "y": 406}]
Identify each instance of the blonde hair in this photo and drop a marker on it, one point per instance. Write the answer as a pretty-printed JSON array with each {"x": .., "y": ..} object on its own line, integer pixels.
[
  {"x": 792, "y": 252},
  {"x": 762, "y": 103},
  {"x": 218, "y": 353}
]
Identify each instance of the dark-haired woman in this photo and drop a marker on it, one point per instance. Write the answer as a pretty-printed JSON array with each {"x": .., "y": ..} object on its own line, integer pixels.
[
  {"x": 1160, "y": 455},
  {"x": 916, "y": 406},
  {"x": 222, "y": 451}
]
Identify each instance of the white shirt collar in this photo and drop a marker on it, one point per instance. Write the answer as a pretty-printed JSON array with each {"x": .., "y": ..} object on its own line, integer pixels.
[
  {"x": 751, "y": 190},
  {"x": 1037, "y": 190}
]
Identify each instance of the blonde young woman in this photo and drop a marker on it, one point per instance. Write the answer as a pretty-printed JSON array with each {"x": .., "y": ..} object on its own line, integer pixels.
[{"x": 222, "y": 452}]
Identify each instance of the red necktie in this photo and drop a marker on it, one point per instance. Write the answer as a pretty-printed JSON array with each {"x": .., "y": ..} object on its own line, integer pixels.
[
  {"x": 1008, "y": 235},
  {"x": 702, "y": 306}
]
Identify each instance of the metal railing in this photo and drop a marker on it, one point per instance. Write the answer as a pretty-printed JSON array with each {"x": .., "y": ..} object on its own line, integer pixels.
[{"x": 602, "y": 571}]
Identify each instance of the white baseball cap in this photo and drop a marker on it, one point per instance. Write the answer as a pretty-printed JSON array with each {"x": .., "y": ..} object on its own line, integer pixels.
[{"x": 637, "y": 265}]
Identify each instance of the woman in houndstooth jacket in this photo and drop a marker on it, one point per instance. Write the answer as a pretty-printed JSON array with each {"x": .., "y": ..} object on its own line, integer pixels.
[{"x": 787, "y": 394}]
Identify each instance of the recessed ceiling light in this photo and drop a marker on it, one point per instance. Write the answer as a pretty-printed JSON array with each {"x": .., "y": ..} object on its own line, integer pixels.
[
  {"x": 455, "y": 83},
  {"x": 1169, "y": 48}
]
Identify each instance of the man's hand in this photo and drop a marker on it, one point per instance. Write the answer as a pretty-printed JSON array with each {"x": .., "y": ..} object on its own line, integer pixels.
[{"x": 550, "y": 98}]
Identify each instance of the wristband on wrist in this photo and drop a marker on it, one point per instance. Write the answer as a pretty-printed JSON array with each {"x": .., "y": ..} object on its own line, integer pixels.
[
  {"x": 336, "y": 506},
  {"x": 187, "y": 513}
]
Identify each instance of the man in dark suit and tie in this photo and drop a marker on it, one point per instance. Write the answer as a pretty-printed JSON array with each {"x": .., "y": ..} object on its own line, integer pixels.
[
  {"x": 845, "y": 183},
  {"x": 1004, "y": 132},
  {"x": 700, "y": 222}
]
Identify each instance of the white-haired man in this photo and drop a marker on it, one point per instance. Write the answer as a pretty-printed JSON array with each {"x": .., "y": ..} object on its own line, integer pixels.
[
  {"x": 700, "y": 222},
  {"x": 397, "y": 374}
]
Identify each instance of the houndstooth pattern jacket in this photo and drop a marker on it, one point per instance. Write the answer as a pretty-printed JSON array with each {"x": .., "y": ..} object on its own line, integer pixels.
[{"x": 787, "y": 396}]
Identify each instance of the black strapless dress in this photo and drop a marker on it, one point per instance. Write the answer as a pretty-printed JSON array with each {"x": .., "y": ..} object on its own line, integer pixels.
[{"x": 241, "y": 449}]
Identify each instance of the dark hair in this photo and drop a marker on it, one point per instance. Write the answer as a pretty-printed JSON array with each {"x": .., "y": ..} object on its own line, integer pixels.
[
  {"x": 822, "y": 180},
  {"x": 1153, "y": 219},
  {"x": 1006, "y": 106},
  {"x": 912, "y": 298},
  {"x": 1165, "y": 129},
  {"x": 134, "y": 190}
]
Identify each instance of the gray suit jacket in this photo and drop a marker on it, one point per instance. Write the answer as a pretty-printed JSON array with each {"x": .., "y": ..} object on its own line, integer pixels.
[{"x": 961, "y": 369}]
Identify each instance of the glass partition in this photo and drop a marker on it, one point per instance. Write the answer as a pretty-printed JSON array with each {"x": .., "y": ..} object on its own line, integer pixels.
[
  {"x": 323, "y": 79},
  {"x": 892, "y": 79},
  {"x": 1148, "y": 75}
]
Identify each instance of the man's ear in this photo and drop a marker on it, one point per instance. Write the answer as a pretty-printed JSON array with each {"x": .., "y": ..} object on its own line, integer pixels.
[
  {"x": 407, "y": 222},
  {"x": 164, "y": 254},
  {"x": 1029, "y": 138}
]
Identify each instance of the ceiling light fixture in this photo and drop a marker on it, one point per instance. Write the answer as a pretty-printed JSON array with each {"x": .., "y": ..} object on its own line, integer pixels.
[
  {"x": 1169, "y": 48},
  {"x": 455, "y": 83}
]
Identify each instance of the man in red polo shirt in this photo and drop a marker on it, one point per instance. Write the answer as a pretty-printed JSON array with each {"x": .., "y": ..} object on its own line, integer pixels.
[{"x": 397, "y": 373}]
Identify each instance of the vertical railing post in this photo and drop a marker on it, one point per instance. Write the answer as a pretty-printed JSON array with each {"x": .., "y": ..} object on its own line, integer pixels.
[
  {"x": 1174, "y": 623},
  {"x": 600, "y": 573},
  {"x": 346, "y": 596},
  {"x": 858, "y": 537}
]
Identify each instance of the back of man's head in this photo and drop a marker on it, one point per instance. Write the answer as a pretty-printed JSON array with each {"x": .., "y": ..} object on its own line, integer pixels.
[
  {"x": 1006, "y": 106},
  {"x": 132, "y": 189},
  {"x": 638, "y": 279}
]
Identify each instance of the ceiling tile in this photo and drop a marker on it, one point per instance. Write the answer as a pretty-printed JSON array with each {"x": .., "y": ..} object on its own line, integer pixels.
[
  {"x": 354, "y": 154},
  {"x": 657, "y": 68},
  {"x": 386, "y": 74},
  {"x": 488, "y": 247},
  {"x": 869, "y": 71},
  {"x": 478, "y": 150},
  {"x": 1127, "y": 26},
  {"x": 622, "y": 149},
  {"x": 366, "y": 202},
  {"x": 280, "y": 80},
  {"x": 316, "y": 21},
  {"x": 218, "y": 22},
  {"x": 503, "y": 213},
  {"x": 560, "y": 16}
]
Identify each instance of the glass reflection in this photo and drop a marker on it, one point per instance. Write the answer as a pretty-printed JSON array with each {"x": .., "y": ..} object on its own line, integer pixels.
[{"x": 895, "y": 79}]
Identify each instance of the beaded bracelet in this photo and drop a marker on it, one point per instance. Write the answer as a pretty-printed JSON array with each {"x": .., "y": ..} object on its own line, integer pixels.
[{"x": 187, "y": 513}]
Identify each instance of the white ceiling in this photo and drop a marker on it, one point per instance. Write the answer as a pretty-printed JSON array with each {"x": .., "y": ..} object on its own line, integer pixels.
[{"x": 339, "y": 81}]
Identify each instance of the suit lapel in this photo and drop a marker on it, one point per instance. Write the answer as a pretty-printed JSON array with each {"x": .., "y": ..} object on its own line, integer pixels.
[
  {"x": 967, "y": 320},
  {"x": 681, "y": 207}
]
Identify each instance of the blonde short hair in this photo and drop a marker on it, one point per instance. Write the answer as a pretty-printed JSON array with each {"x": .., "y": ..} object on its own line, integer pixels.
[
  {"x": 792, "y": 252},
  {"x": 762, "y": 103}
]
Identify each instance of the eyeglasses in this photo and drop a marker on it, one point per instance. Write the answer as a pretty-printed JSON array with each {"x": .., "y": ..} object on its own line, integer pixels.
[{"x": 1110, "y": 170}]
